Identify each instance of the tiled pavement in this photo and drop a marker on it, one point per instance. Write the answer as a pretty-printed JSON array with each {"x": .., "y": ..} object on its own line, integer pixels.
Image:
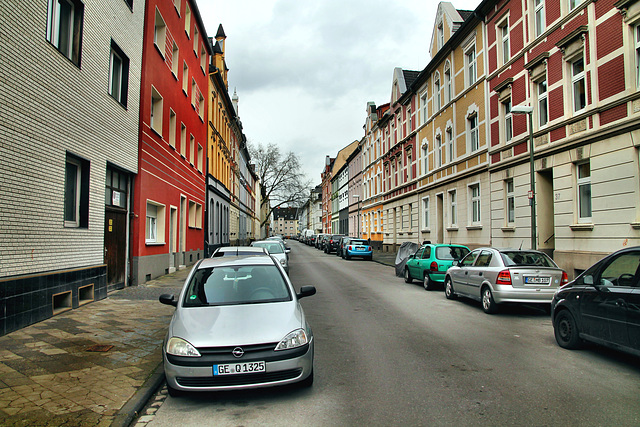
[{"x": 52, "y": 373}]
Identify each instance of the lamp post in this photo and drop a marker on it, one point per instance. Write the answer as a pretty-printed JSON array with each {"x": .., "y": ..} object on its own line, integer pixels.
[
  {"x": 357, "y": 196},
  {"x": 523, "y": 109}
]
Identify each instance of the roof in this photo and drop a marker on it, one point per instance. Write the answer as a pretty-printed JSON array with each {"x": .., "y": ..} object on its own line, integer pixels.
[
  {"x": 410, "y": 77},
  {"x": 236, "y": 261},
  {"x": 343, "y": 155}
]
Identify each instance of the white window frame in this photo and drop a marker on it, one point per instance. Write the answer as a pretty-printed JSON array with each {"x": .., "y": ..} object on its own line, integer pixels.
[
  {"x": 155, "y": 116},
  {"x": 505, "y": 44},
  {"x": 574, "y": 3},
  {"x": 510, "y": 202},
  {"x": 508, "y": 120},
  {"x": 453, "y": 208},
  {"x": 425, "y": 156},
  {"x": 75, "y": 197},
  {"x": 473, "y": 132},
  {"x": 578, "y": 78},
  {"x": 583, "y": 183},
  {"x": 438, "y": 148},
  {"x": 448, "y": 95},
  {"x": 65, "y": 41},
  {"x": 542, "y": 92},
  {"x": 187, "y": 19},
  {"x": 425, "y": 213},
  {"x": 470, "y": 59},
  {"x": 175, "y": 59},
  {"x": 637, "y": 47},
  {"x": 450, "y": 154},
  {"x": 160, "y": 32},
  {"x": 117, "y": 65},
  {"x": 155, "y": 223},
  {"x": 440, "y": 31},
  {"x": 475, "y": 214},
  {"x": 539, "y": 18},
  {"x": 172, "y": 128},
  {"x": 437, "y": 100},
  {"x": 425, "y": 110}
]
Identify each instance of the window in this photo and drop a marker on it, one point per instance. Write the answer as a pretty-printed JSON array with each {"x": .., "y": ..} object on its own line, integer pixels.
[
  {"x": 160, "y": 33},
  {"x": 474, "y": 195},
  {"x": 187, "y": 19},
  {"x": 510, "y": 199},
  {"x": 447, "y": 84},
  {"x": 425, "y": 213},
  {"x": 200, "y": 157},
  {"x": 425, "y": 156},
  {"x": 176, "y": 4},
  {"x": 175, "y": 59},
  {"x": 129, "y": 3},
  {"x": 64, "y": 27},
  {"x": 543, "y": 107},
  {"x": 453, "y": 207},
  {"x": 76, "y": 192},
  {"x": 200, "y": 104},
  {"x": 584, "y": 192},
  {"x": 203, "y": 58},
  {"x": 193, "y": 92},
  {"x": 436, "y": 92},
  {"x": 116, "y": 188},
  {"x": 637, "y": 55},
  {"x": 423, "y": 98},
  {"x": 155, "y": 121},
  {"x": 185, "y": 77},
  {"x": 172, "y": 128},
  {"x": 578, "y": 85},
  {"x": 118, "y": 75},
  {"x": 192, "y": 146},
  {"x": 474, "y": 142},
  {"x": 540, "y": 20},
  {"x": 470, "y": 59},
  {"x": 183, "y": 140},
  {"x": 438, "y": 150},
  {"x": 409, "y": 168},
  {"x": 449, "y": 142},
  {"x": 440, "y": 35},
  {"x": 154, "y": 232},
  {"x": 505, "y": 52},
  {"x": 195, "y": 215},
  {"x": 508, "y": 124},
  {"x": 574, "y": 3},
  {"x": 195, "y": 39}
]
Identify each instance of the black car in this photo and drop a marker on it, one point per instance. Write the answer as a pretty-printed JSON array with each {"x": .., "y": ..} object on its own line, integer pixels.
[
  {"x": 601, "y": 305},
  {"x": 331, "y": 244},
  {"x": 341, "y": 243}
]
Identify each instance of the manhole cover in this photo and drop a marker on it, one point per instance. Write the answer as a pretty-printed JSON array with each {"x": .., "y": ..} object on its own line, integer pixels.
[{"x": 100, "y": 347}]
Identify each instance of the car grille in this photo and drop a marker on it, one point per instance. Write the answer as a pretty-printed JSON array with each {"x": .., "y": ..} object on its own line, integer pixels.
[
  {"x": 231, "y": 380},
  {"x": 249, "y": 350},
  {"x": 214, "y": 355}
]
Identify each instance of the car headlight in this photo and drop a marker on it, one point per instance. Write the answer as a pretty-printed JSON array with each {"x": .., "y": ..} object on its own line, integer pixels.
[
  {"x": 179, "y": 347},
  {"x": 283, "y": 262},
  {"x": 293, "y": 339}
]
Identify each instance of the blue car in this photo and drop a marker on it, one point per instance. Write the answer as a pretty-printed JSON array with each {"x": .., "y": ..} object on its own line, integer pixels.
[{"x": 358, "y": 248}]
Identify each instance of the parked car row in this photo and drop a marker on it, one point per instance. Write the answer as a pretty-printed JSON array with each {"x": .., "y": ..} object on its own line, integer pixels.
[
  {"x": 344, "y": 246},
  {"x": 601, "y": 305}
]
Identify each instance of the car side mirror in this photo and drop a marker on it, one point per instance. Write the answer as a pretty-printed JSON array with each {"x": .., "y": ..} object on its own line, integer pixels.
[
  {"x": 306, "y": 291},
  {"x": 455, "y": 263},
  {"x": 588, "y": 280},
  {"x": 287, "y": 250},
  {"x": 168, "y": 299},
  {"x": 412, "y": 256}
]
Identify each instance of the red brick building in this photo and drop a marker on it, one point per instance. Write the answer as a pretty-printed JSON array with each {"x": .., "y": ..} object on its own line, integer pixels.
[{"x": 169, "y": 191}]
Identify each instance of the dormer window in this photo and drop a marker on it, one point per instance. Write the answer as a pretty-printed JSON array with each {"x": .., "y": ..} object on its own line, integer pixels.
[{"x": 440, "y": 35}]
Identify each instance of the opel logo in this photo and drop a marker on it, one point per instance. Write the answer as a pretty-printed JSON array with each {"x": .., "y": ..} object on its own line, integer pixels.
[{"x": 238, "y": 352}]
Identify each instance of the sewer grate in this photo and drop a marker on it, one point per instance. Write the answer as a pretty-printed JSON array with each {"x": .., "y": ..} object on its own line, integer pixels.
[{"x": 100, "y": 347}]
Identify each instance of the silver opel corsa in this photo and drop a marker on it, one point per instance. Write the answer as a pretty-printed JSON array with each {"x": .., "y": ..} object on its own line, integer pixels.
[{"x": 237, "y": 325}]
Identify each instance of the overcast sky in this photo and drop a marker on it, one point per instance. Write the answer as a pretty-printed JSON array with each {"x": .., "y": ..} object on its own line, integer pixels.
[{"x": 304, "y": 71}]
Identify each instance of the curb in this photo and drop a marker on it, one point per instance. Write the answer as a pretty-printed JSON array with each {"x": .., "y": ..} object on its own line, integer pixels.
[{"x": 139, "y": 400}]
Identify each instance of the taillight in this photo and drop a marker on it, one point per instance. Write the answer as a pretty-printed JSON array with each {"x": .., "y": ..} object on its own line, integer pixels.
[
  {"x": 369, "y": 248},
  {"x": 433, "y": 266},
  {"x": 350, "y": 247},
  {"x": 504, "y": 278},
  {"x": 565, "y": 279}
]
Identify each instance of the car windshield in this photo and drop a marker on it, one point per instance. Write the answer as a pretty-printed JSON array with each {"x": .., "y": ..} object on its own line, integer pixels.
[
  {"x": 241, "y": 252},
  {"x": 272, "y": 247},
  {"x": 236, "y": 285},
  {"x": 451, "y": 253},
  {"x": 522, "y": 258},
  {"x": 358, "y": 242}
]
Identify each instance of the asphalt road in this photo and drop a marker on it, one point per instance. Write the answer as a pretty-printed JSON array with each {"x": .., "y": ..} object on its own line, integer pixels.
[{"x": 390, "y": 353}]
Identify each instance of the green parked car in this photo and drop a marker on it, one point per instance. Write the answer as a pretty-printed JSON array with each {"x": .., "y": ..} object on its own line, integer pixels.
[{"x": 430, "y": 263}]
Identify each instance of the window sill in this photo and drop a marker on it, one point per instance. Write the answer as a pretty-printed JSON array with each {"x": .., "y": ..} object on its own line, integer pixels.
[
  {"x": 452, "y": 228},
  {"x": 635, "y": 225},
  {"x": 426, "y": 230},
  {"x": 158, "y": 49},
  {"x": 474, "y": 227},
  {"x": 581, "y": 227},
  {"x": 510, "y": 229},
  {"x": 154, "y": 243}
]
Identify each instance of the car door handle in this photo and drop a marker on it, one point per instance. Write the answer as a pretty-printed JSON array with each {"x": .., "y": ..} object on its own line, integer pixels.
[{"x": 621, "y": 303}]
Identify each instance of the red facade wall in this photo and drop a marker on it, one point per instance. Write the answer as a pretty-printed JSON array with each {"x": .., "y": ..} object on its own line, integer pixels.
[
  {"x": 611, "y": 77},
  {"x": 609, "y": 36},
  {"x": 613, "y": 114},
  {"x": 164, "y": 174}
]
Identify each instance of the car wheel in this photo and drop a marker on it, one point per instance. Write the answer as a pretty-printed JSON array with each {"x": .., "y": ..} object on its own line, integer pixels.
[
  {"x": 427, "y": 283},
  {"x": 407, "y": 276},
  {"x": 566, "y": 330},
  {"x": 371, "y": 258},
  {"x": 174, "y": 392},
  {"x": 448, "y": 289},
  {"x": 488, "y": 303},
  {"x": 347, "y": 257}
]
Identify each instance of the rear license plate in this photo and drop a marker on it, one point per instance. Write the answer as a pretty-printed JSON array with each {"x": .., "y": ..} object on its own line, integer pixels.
[
  {"x": 359, "y": 249},
  {"x": 239, "y": 368},
  {"x": 531, "y": 280}
]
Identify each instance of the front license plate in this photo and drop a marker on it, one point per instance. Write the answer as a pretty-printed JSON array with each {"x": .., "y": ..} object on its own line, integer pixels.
[
  {"x": 530, "y": 280},
  {"x": 239, "y": 368}
]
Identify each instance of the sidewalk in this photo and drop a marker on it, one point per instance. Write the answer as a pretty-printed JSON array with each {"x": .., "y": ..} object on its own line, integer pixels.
[
  {"x": 386, "y": 258},
  {"x": 95, "y": 365}
]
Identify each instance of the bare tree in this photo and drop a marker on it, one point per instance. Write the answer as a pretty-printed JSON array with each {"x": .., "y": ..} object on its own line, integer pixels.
[{"x": 281, "y": 177}]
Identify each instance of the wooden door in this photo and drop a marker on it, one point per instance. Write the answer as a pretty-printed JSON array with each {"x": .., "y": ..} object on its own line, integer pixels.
[{"x": 115, "y": 246}]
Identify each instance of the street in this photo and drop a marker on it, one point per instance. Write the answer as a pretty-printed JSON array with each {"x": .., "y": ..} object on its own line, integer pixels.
[{"x": 391, "y": 353}]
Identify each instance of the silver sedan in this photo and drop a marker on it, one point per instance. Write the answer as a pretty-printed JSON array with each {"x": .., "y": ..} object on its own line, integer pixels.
[
  {"x": 237, "y": 324},
  {"x": 495, "y": 276}
]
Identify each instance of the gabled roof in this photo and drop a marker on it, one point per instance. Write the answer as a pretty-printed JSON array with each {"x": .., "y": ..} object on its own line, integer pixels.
[
  {"x": 410, "y": 77},
  {"x": 343, "y": 155}
]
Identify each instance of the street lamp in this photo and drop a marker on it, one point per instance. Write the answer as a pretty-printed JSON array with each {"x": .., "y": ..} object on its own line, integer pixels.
[
  {"x": 523, "y": 109},
  {"x": 357, "y": 196}
]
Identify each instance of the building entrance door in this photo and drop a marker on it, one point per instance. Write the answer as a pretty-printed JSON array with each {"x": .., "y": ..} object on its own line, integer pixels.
[{"x": 115, "y": 247}]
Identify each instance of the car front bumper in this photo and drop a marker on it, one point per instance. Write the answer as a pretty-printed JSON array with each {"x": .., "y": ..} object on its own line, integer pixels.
[{"x": 201, "y": 378}]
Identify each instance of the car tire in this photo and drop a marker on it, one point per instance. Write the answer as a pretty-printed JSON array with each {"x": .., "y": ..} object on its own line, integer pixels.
[
  {"x": 566, "y": 330},
  {"x": 449, "y": 293},
  {"x": 370, "y": 258},
  {"x": 407, "y": 276},
  {"x": 488, "y": 303},
  {"x": 427, "y": 283},
  {"x": 174, "y": 392},
  {"x": 347, "y": 257}
]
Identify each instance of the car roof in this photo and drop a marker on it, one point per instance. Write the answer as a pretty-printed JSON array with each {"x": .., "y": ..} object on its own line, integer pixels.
[
  {"x": 238, "y": 249},
  {"x": 238, "y": 261}
]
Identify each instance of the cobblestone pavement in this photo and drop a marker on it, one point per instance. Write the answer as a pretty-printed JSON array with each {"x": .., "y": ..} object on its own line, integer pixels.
[{"x": 84, "y": 366}]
